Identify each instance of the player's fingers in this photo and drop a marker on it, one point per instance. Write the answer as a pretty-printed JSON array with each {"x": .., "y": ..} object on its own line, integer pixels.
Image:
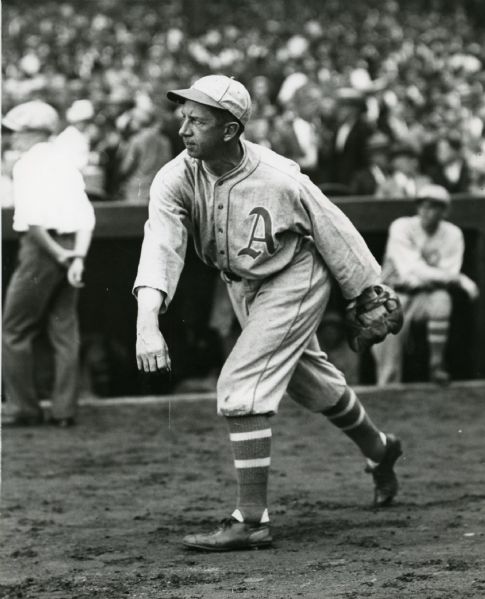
[
  {"x": 139, "y": 363},
  {"x": 152, "y": 363},
  {"x": 161, "y": 362}
]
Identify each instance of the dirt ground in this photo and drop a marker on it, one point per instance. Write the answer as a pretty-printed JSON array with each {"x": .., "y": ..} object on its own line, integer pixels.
[{"x": 98, "y": 511}]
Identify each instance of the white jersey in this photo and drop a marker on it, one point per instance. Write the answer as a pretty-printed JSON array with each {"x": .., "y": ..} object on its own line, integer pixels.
[
  {"x": 49, "y": 192},
  {"x": 414, "y": 259}
]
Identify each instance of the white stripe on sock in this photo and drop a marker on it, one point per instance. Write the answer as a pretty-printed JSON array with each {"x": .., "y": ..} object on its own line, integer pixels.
[
  {"x": 253, "y": 463},
  {"x": 347, "y": 408},
  {"x": 236, "y": 514},
  {"x": 357, "y": 423},
  {"x": 250, "y": 435}
]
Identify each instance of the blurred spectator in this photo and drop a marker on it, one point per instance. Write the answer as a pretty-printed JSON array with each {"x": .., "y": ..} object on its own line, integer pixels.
[
  {"x": 451, "y": 169},
  {"x": 142, "y": 155},
  {"x": 419, "y": 65},
  {"x": 405, "y": 178},
  {"x": 74, "y": 140},
  {"x": 351, "y": 133},
  {"x": 422, "y": 262},
  {"x": 369, "y": 180}
]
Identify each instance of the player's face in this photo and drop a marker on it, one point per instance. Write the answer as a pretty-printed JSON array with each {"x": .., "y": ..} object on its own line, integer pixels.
[
  {"x": 201, "y": 132},
  {"x": 431, "y": 213}
]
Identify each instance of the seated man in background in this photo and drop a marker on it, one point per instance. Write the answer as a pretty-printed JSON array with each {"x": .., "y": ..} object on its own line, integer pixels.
[{"x": 422, "y": 261}]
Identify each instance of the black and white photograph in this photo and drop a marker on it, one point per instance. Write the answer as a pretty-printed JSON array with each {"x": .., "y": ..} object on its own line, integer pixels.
[{"x": 243, "y": 299}]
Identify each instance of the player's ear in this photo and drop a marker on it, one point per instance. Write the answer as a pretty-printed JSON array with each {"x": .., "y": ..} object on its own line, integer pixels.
[{"x": 231, "y": 130}]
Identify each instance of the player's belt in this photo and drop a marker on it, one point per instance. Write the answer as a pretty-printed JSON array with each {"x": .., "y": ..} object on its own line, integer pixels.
[{"x": 230, "y": 276}]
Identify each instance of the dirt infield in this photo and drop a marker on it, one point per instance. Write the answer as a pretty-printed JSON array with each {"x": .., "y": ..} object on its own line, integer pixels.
[{"x": 99, "y": 510}]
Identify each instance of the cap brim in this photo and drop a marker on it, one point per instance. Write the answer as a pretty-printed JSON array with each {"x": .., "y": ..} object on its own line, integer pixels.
[
  {"x": 182, "y": 95},
  {"x": 11, "y": 126}
]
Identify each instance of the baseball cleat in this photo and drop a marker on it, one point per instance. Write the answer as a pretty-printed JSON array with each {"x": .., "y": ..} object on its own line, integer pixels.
[
  {"x": 385, "y": 479},
  {"x": 231, "y": 535}
]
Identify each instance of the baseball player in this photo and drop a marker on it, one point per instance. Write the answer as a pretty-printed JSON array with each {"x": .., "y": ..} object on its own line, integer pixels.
[
  {"x": 278, "y": 242},
  {"x": 422, "y": 262},
  {"x": 55, "y": 220}
]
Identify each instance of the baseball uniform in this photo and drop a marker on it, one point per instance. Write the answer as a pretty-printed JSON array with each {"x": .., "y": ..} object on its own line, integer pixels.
[
  {"x": 278, "y": 242},
  {"x": 417, "y": 265}
]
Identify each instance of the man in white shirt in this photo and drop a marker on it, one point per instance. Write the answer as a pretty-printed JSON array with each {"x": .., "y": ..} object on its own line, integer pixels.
[
  {"x": 422, "y": 262},
  {"x": 55, "y": 221}
]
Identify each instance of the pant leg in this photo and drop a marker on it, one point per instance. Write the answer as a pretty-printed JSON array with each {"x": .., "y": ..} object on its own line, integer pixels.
[
  {"x": 279, "y": 318},
  {"x": 26, "y": 303},
  {"x": 316, "y": 383},
  {"x": 63, "y": 331}
]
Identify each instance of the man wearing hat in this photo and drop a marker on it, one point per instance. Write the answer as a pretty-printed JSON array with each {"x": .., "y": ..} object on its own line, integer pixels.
[
  {"x": 278, "y": 242},
  {"x": 423, "y": 259},
  {"x": 55, "y": 220}
]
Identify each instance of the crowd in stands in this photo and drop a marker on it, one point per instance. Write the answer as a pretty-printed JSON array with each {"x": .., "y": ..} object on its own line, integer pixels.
[{"x": 374, "y": 100}]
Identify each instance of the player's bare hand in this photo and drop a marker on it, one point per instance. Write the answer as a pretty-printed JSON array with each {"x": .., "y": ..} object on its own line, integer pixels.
[
  {"x": 152, "y": 351},
  {"x": 468, "y": 286},
  {"x": 75, "y": 272}
]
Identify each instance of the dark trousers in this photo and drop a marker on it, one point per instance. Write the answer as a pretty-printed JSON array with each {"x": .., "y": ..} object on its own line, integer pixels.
[{"x": 39, "y": 295}]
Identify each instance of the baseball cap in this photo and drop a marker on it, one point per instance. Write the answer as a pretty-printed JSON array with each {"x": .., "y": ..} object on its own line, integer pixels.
[
  {"x": 31, "y": 116},
  {"x": 435, "y": 193},
  {"x": 217, "y": 91},
  {"x": 80, "y": 110}
]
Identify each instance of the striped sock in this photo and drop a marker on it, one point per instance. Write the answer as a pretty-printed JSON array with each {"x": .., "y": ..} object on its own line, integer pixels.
[
  {"x": 437, "y": 333},
  {"x": 349, "y": 415},
  {"x": 251, "y": 443}
]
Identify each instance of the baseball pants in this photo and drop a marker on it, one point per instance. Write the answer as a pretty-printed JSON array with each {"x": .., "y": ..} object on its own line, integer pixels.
[
  {"x": 39, "y": 295},
  {"x": 277, "y": 349}
]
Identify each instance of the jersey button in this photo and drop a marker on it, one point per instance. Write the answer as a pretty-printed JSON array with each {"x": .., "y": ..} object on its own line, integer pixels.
[
  {"x": 221, "y": 230},
  {"x": 220, "y": 206},
  {"x": 222, "y": 252},
  {"x": 220, "y": 183}
]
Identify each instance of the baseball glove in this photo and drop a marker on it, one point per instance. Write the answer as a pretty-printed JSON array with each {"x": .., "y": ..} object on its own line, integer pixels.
[{"x": 372, "y": 316}]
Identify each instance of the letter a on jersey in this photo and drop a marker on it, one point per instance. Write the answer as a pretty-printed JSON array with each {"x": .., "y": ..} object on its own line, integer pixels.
[{"x": 262, "y": 219}]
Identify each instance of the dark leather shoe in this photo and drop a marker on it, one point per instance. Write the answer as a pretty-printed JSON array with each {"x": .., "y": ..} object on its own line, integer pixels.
[
  {"x": 20, "y": 421},
  {"x": 231, "y": 535},
  {"x": 62, "y": 422},
  {"x": 385, "y": 479}
]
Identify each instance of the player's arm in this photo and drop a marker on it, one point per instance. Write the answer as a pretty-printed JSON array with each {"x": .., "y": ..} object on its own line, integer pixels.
[
  {"x": 151, "y": 349},
  {"x": 81, "y": 246},
  {"x": 339, "y": 243}
]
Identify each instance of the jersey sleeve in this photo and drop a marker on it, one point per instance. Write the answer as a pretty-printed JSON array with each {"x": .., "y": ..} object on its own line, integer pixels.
[
  {"x": 165, "y": 238},
  {"x": 339, "y": 243}
]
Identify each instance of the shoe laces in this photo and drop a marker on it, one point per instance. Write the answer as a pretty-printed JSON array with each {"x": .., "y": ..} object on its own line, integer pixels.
[{"x": 227, "y": 522}]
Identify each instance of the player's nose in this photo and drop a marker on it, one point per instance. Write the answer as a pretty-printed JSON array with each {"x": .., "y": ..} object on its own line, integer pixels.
[{"x": 184, "y": 129}]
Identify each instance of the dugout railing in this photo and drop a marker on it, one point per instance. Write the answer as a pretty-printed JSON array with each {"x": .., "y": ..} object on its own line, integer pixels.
[{"x": 107, "y": 306}]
